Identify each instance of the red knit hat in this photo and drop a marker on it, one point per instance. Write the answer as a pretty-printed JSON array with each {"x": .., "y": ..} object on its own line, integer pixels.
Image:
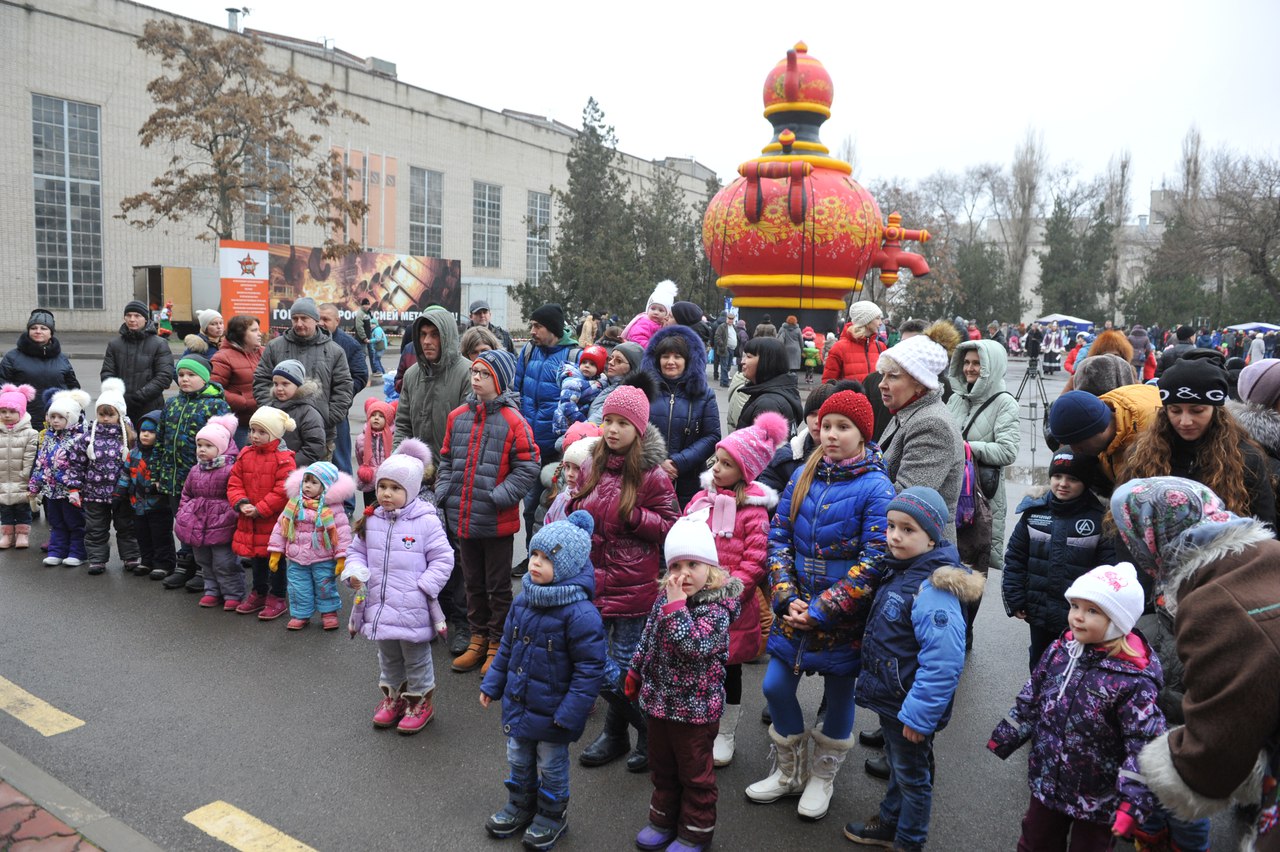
[
  {"x": 854, "y": 406},
  {"x": 595, "y": 355}
]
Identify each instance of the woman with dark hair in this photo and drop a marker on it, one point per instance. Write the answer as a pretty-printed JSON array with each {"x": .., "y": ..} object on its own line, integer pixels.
[
  {"x": 769, "y": 384},
  {"x": 38, "y": 361},
  {"x": 233, "y": 365},
  {"x": 685, "y": 412}
]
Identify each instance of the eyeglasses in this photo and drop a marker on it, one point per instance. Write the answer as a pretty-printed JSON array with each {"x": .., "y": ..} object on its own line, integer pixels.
[{"x": 480, "y": 372}]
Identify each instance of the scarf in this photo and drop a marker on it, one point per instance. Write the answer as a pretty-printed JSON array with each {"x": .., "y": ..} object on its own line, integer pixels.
[
  {"x": 546, "y": 597},
  {"x": 1158, "y": 515},
  {"x": 723, "y": 505},
  {"x": 325, "y": 533}
]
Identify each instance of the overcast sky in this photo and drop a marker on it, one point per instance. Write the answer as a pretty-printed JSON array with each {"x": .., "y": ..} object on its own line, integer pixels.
[{"x": 930, "y": 85}]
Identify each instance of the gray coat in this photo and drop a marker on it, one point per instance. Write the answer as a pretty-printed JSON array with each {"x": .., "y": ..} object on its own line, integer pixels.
[
  {"x": 431, "y": 390},
  {"x": 924, "y": 448},
  {"x": 792, "y": 341},
  {"x": 325, "y": 362},
  {"x": 993, "y": 438}
]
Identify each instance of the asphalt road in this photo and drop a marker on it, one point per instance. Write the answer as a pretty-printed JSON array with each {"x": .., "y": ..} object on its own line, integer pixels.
[{"x": 184, "y": 707}]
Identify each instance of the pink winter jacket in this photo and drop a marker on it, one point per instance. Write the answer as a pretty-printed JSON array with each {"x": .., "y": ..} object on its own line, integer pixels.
[
  {"x": 303, "y": 550},
  {"x": 742, "y": 548},
  {"x": 205, "y": 518},
  {"x": 640, "y": 329}
]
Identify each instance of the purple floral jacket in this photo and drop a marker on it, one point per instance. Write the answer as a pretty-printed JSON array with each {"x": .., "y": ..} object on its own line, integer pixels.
[
  {"x": 53, "y": 461},
  {"x": 97, "y": 479}
]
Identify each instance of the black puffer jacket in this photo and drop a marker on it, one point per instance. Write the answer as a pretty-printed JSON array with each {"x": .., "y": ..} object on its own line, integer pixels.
[
  {"x": 144, "y": 362},
  {"x": 1184, "y": 462},
  {"x": 780, "y": 394},
  {"x": 41, "y": 365}
]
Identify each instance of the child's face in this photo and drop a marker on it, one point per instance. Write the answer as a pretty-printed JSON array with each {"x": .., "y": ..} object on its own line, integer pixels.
[
  {"x": 377, "y": 421},
  {"x": 390, "y": 495},
  {"x": 482, "y": 383},
  {"x": 725, "y": 472},
  {"x": 658, "y": 313},
  {"x": 904, "y": 536},
  {"x": 9, "y": 416},
  {"x": 283, "y": 389},
  {"x": 571, "y": 472},
  {"x": 189, "y": 382},
  {"x": 147, "y": 438},
  {"x": 541, "y": 571},
  {"x": 693, "y": 575},
  {"x": 1065, "y": 486},
  {"x": 205, "y": 451},
  {"x": 1088, "y": 622},
  {"x": 619, "y": 433},
  {"x": 311, "y": 487},
  {"x": 107, "y": 414},
  {"x": 56, "y": 421},
  {"x": 840, "y": 438},
  {"x": 258, "y": 436},
  {"x": 589, "y": 370}
]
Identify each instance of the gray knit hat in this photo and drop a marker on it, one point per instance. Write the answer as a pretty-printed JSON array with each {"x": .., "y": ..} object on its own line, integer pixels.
[
  {"x": 40, "y": 316},
  {"x": 291, "y": 369},
  {"x": 305, "y": 307}
]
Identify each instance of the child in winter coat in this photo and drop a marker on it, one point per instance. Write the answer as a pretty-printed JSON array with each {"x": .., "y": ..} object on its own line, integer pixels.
[
  {"x": 562, "y": 485},
  {"x": 152, "y": 517},
  {"x": 98, "y": 457},
  {"x": 488, "y": 463},
  {"x": 1088, "y": 709},
  {"x": 206, "y": 521},
  {"x": 737, "y": 508},
  {"x": 579, "y": 384},
  {"x": 374, "y": 444},
  {"x": 1057, "y": 538},
  {"x": 678, "y": 675},
  {"x": 632, "y": 503},
  {"x": 546, "y": 695},
  {"x": 657, "y": 314},
  {"x": 255, "y": 491},
  {"x": 312, "y": 535},
  {"x": 399, "y": 560},
  {"x": 63, "y": 426},
  {"x": 292, "y": 392},
  {"x": 912, "y": 657},
  {"x": 810, "y": 354},
  {"x": 826, "y": 544},
  {"x": 18, "y": 443}
]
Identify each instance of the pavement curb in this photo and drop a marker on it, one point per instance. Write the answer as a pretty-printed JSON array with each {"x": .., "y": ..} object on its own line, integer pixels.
[{"x": 98, "y": 826}]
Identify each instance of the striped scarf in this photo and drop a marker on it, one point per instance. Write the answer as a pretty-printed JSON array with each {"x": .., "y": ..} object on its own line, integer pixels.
[{"x": 325, "y": 533}]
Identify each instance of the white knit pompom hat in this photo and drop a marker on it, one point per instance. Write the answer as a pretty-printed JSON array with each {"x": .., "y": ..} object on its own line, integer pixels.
[{"x": 920, "y": 358}]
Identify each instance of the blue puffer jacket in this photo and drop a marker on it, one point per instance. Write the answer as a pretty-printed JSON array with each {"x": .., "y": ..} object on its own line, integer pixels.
[
  {"x": 685, "y": 412},
  {"x": 831, "y": 558},
  {"x": 550, "y": 665},
  {"x": 538, "y": 383},
  {"x": 913, "y": 650}
]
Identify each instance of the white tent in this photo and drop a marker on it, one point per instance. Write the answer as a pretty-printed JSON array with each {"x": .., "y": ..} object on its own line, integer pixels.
[
  {"x": 1254, "y": 326},
  {"x": 1063, "y": 318}
]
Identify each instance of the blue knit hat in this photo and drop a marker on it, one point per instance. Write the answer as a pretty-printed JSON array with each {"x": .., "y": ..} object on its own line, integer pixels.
[
  {"x": 567, "y": 544},
  {"x": 1078, "y": 415},
  {"x": 150, "y": 421},
  {"x": 926, "y": 507},
  {"x": 502, "y": 365}
]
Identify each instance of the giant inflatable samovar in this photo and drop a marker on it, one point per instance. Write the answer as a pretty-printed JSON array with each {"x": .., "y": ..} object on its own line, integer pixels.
[{"x": 795, "y": 234}]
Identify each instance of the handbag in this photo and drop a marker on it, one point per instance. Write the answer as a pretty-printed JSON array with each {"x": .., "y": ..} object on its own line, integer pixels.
[
  {"x": 988, "y": 475},
  {"x": 973, "y": 519}
]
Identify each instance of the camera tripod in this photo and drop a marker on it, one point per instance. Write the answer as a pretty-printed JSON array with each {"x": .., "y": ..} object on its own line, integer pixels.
[{"x": 1033, "y": 373}]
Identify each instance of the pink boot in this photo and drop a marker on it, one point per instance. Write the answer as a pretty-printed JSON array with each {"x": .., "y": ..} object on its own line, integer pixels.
[
  {"x": 210, "y": 601},
  {"x": 418, "y": 712},
  {"x": 391, "y": 710},
  {"x": 6, "y": 536},
  {"x": 22, "y": 536},
  {"x": 273, "y": 608},
  {"x": 253, "y": 603}
]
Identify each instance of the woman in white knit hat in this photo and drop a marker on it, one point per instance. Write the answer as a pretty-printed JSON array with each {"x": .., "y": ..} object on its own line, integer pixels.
[
  {"x": 858, "y": 350},
  {"x": 212, "y": 330}
]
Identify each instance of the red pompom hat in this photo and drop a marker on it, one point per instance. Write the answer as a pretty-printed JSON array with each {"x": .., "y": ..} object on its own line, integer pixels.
[{"x": 854, "y": 406}]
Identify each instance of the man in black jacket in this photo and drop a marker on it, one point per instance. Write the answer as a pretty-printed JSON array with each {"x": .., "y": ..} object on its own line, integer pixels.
[
  {"x": 1177, "y": 350},
  {"x": 140, "y": 359}
]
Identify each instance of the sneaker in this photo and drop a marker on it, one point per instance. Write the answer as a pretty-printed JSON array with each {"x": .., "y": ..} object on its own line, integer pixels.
[
  {"x": 72, "y": 562},
  {"x": 231, "y": 605},
  {"x": 158, "y": 573},
  {"x": 871, "y": 833},
  {"x": 96, "y": 568},
  {"x": 273, "y": 607},
  {"x": 298, "y": 623},
  {"x": 210, "y": 601},
  {"x": 253, "y": 603},
  {"x": 418, "y": 712},
  {"x": 52, "y": 560},
  {"x": 329, "y": 620}
]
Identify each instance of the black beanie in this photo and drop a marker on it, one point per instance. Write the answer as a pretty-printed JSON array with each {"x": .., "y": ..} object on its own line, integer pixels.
[
  {"x": 136, "y": 307},
  {"x": 1185, "y": 332},
  {"x": 1083, "y": 468},
  {"x": 686, "y": 313},
  {"x": 550, "y": 317},
  {"x": 1197, "y": 378}
]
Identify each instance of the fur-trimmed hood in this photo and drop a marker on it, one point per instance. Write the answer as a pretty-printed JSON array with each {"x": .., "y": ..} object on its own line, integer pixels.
[
  {"x": 731, "y": 590},
  {"x": 1262, "y": 424},
  {"x": 694, "y": 379},
  {"x": 1162, "y": 778},
  {"x": 758, "y": 494},
  {"x": 335, "y": 495},
  {"x": 966, "y": 585},
  {"x": 195, "y": 343},
  {"x": 1185, "y": 560},
  {"x": 655, "y": 448}
]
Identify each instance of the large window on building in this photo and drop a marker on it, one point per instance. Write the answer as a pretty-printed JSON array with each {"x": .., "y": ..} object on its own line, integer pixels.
[
  {"x": 265, "y": 220},
  {"x": 426, "y": 212},
  {"x": 538, "y": 237},
  {"x": 486, "y": 225},
  {"x": 68, "y": 203}
]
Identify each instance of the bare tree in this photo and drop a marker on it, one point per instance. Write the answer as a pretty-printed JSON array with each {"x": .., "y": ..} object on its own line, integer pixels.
[
  {"x": 1117, "y": 208},
  {"x": 847, "y": 150},
  {"x": 1191, "y": 166},
  {"x": 1015, "y": 201}
]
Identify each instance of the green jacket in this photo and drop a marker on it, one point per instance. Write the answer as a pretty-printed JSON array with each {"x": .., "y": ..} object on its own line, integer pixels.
[{"x": 431, "y": 391}]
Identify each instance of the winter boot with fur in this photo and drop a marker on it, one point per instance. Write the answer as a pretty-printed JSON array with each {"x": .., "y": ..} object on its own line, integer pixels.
[
  {"x": 516, "y": 815},
  {"x": 391, "y": 710},
  {"x": 828, "y": 754},
  {"x": 613, "y": 742},
  {"x": 548, "y": 824},
  {"x": 790, "y": 768},
  {"x": 6, "y": 536},
  {"x": 472, "y": 658},
  {"x": 417, "y": 713},
  {"x": 22, "y": 536},
  {"x": 722, "y": 749}
]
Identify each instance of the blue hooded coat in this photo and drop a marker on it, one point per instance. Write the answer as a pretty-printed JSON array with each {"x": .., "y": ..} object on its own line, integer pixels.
[{"x": 685, "y": 412}]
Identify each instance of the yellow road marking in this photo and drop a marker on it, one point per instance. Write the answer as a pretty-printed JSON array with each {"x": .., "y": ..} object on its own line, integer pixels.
[
  {"x": 241, "y": 830},
  {"x": 34, "y": 712}
]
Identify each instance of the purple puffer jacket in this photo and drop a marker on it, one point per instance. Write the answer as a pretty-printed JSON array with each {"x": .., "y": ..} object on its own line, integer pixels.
[
  {"x": 628, "y": 555},
  {"x": 205, "y": 517},
  {"x": 95, "y": 478},
  {"x": 683, "y": 652},
  {"x": 1085, "y": 742},
  {"x": 408, "y": 558}
]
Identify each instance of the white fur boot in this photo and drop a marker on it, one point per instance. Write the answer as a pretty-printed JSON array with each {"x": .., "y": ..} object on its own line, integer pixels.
[
  {"x": 790, "y": 768},
  {"x": 828, "y": 754}
]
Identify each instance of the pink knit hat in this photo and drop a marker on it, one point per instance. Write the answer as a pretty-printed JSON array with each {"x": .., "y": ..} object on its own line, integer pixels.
[
  {"x": 752, "y": 447},
  {"x": 630, "y": 403},
  {"x": 218, "y": 431},
  {"x": 16, "y": 397}
]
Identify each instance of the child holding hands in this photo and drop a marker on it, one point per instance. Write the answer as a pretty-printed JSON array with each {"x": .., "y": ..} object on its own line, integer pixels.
[
  {"x": 548, "y": 671},
  {"x": 256, "y": 492},
  {"x": 63, "y": 427},
  {"x": 312, "y": 534}
]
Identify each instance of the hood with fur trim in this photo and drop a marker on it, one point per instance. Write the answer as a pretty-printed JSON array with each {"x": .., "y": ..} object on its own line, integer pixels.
[
  {"x": 1184, "y": 561},
  {"x": 1262, "y": 424},
  {"x": 695, "y": 370},
  {"x": 731, "y": 590},
  {"x": 758, "y": 494},
  {"x": 341, "y": 491},
  {"x": 655, "y": 448},
  {"x": 966, "y": 585}
]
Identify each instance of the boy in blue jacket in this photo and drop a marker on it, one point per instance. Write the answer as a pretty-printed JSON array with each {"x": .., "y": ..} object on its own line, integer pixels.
[
  {"x": 914, "y": 642},
  {"x": 548, "y": 672}
]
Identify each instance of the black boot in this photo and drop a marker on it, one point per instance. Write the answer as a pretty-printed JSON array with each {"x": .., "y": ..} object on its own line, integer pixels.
[
  {"x": 549, "y": 823},
  {"x": 516, "y": 815},
  {"x": 872, "y": 739},
  {"x": 877, "y": 766},
  {"x": 182, "y": 572},
  {"x": 630, "y": 711},
  {"x": 459, "y": 637},
  {"x": 613, "y": 742},
  {"x": 520, "y": 568},
  {"x": 638, "y": 760}
]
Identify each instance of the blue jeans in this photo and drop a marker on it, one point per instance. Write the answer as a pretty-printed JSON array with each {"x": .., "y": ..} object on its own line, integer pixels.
[
  {"x": 530, "y": 759},
  {"x": 909, "y": 799},
  {"x": 623, "y": 636},
  {"x": 375, "y": 360},
  {"x": 312, "y": 588},
  {"x": 780, "y": 684},
  {"x": 18, "y": 513},
  {"x": 723, "y": 367}
]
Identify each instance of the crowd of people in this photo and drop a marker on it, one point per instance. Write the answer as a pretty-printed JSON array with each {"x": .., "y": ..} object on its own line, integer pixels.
[{"x": 846, "y": 533}]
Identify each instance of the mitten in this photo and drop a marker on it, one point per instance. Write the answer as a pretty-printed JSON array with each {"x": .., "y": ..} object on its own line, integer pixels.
[
  {"x": 73, "y": 497},
  {"x": 274, "y": 562},
  {"x": 631, "y": 687}
]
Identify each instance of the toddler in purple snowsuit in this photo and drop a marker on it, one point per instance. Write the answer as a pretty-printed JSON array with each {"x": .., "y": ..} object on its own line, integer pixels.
[{"x": 206, "y": 520}]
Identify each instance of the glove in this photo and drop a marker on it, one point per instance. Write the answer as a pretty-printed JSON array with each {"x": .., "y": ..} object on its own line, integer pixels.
[
  {"x": 73, "y": 497},
  {"x": 631, "y": 686},
  {"x": 339, "y": 565},
  {"x": 1124, "y": 825},
  {"x": 274, "y": 562}
]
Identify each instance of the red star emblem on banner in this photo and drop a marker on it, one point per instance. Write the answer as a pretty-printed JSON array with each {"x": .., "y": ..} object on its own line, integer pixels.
[{"x": 248, "y": 265}]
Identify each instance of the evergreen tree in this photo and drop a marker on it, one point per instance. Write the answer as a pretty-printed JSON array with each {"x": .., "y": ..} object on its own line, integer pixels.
[
  {"x": 665, "y": 236},
  {"x": 1073, "y": 265}
]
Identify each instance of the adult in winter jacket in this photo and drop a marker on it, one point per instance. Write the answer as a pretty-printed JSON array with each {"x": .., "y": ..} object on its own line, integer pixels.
[
  {"x": 142, "y": 360},
  {"x": 724, "y": 339},
  {"x": 38, "y": 361},
  {"x": 481, "y": 317},
  {"x": 767, "y": 385},
  {"x": 310, "y": 343},
  {"x": 1184, "y": 344},
  {"x": 685, "y": 412},
  {"x": 436, "y": 384},
  {"x": 1104, "y": 426},
  {"x": 857, "y": 352},
  {"x": 209, "y": 338},
  {"x": 1144, "y": 355},
  {"x": 233, "y": 365},
  {"x": 791, "y": 339},
  {"x": 1217, "y": 574},
  {"x": 987, "y": 415},
  {"x": 1258, "y": 412}
]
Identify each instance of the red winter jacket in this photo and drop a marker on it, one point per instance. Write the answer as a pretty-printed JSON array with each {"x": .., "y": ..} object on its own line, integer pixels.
[
  {"x": 852, "y": 358},
  {"x": 627, "y": 555},
  {"x": 233, "y": 369},
  {"x": 258, "y": 477}
]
